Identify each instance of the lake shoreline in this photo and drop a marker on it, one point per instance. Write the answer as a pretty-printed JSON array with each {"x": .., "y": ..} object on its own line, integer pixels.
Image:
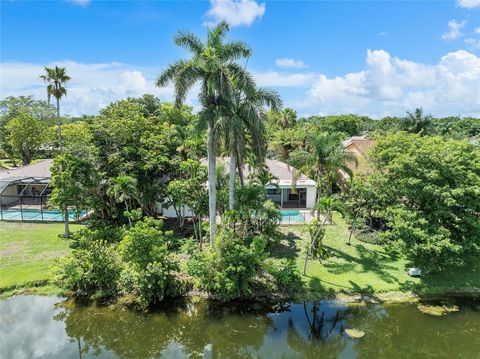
[{"x": 394, "y": 297}]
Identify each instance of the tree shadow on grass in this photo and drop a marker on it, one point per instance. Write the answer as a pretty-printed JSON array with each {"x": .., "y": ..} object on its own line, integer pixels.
[
  {"x": 315, "y": 285},
  {"x": 370, "y": 261},
  {"x": 286, "y": 247}
]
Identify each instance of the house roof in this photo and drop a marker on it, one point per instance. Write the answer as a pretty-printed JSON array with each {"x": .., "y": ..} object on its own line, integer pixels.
[
  {"x": 281, "y": 170},
  {"x": 361, "y": 143},
  {"x": 40, "y": 169}
]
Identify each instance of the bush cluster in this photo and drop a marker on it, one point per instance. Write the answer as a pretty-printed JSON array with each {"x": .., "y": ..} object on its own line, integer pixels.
[
  {"x": 139, "y": 265},
  {"x": 227, "y": 270}
]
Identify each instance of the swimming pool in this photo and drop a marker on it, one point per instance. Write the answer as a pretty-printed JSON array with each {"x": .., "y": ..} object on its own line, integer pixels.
[
  {"x": 292, "y": 215},
  {"x": 52, "y": 215}
]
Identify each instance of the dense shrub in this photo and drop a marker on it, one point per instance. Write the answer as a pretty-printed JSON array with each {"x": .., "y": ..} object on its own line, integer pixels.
[
  {"x": 91, "y": 271},
  {"x": 139, "y": 266},
  {"x": 286, "y": 275},
  {"x": 228, "y": 269},
  {"x": 149, "y": 270}
]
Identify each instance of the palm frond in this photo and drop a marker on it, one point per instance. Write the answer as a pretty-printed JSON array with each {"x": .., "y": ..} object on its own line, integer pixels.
[{"x": 189, "y": 42}]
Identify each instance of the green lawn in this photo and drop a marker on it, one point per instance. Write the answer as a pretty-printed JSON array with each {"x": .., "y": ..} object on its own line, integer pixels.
[
  {"x": 365, "y": 268},
  {"x": 27, "y": 252}
]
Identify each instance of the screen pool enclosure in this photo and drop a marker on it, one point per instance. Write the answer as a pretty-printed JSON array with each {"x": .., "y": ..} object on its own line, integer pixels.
[{"x": 27, "y": 199}]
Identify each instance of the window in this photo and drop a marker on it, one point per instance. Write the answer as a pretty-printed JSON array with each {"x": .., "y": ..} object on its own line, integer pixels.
[{"x": 273, "y": 191}]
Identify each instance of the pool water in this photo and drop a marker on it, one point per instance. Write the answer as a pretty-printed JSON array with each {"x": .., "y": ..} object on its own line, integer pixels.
[
  {"x": 53, "y": 215},
  {"x": 292, "y": 215}
]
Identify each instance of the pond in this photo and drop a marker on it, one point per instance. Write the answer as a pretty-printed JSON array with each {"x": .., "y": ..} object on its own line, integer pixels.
[{"x": 51, "y": 327}]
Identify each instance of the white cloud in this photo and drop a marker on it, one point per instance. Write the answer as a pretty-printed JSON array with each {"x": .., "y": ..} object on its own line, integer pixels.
[
  {"x": 235, "y": 12},
  {"x": 277, "y": 79},
  {"x": 453, "y": 32},
  {"x": 391, "y": 86},
  {"x": 290, "y": 63},
  {"x": 477, "y": 30},
  {"x": 93, "y": 86},
  {"x": 474, "y": 44},
  {"x": 468, "y": 3},
  {"x": 80, "y": 2}
]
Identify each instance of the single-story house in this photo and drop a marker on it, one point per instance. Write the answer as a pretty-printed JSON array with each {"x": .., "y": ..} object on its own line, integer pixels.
[
  {"x": 284, "y": 191},
  {"x": 24, "y": 192}
]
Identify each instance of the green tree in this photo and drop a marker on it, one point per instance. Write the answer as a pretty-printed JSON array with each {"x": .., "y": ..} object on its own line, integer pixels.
[
  {"x": 74, "y": 182},
  {"x": 56, "y": 78},
  {"x": 25, "y": 136},
  {"x": 12, "y": 107},
  {"x": 145, "y": 148},
  {"x": 213, "y": 64},
  {"x": 424, "y": 196}
]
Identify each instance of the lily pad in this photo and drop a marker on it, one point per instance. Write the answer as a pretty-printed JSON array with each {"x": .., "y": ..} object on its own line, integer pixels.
[{"x": 354, "y": 333}]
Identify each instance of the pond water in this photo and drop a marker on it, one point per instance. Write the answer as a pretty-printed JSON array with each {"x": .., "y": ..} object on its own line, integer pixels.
[{"x": 50, "y": 327}]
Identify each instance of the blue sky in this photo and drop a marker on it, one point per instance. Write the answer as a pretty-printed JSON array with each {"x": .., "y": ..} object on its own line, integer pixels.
[{"x": 377, "y": 58}]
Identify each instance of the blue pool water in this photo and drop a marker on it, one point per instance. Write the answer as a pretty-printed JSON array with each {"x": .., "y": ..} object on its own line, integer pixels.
[
  {"x": 53, "y": 215},
  {"x": 292, "y": 215}
]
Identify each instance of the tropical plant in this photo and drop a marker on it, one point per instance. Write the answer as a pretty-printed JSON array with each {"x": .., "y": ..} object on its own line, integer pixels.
[
  {"x": 316, "y": 229},
  {"x": 213, "y": 64},
  {"x": 243, "y": 123},
  {"x": 327, "y": 205},
  {"x": 124, "y": 188},
  {"x": 56, "y": 78},
  {"x": 323, "y": 158}
]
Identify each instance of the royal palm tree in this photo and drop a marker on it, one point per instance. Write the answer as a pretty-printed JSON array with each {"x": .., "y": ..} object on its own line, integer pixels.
[
  {"x": 56, "y": 78},
  {"x": 213, "y": 65},
  {"x": 322, "y": 158},
  {"x": 243, "y": 122}
]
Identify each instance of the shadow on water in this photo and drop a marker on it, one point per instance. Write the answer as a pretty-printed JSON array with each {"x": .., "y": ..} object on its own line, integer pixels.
[{"x": 313, "y": 329}]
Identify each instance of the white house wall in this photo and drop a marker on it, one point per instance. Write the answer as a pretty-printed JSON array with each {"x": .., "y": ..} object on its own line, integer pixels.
[{"x": 311, "y": 193}]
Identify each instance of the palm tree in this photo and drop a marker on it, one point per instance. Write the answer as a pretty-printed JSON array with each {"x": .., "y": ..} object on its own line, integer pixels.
[
  {"x": 323, "y": 157},
  {"x": 243, "y": 122},
  {"x": 123, "y": 189},
  {"x": 213, "y": 65},
  {"x": 56, "y": 78},
  {"x": 327, "y": 205}
]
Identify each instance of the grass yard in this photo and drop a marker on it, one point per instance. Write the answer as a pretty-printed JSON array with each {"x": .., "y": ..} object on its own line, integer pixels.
[
  {"x": 365, "y": 268},
  {"x": 27, "y": 252}
]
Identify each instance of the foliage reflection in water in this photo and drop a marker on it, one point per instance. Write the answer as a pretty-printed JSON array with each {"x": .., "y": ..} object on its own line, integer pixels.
[{"x": 49, "y": 327}]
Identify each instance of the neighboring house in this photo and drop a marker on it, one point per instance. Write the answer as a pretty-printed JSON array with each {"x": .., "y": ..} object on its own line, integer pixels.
[
  {"x": 24, "y": 191},
  {"x": 360, "y": 147},
  {"x": 281, "y": 191}
]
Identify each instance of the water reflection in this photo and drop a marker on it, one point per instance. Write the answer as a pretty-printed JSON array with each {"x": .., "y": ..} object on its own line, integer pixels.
[{"x": 48, "y": 327}]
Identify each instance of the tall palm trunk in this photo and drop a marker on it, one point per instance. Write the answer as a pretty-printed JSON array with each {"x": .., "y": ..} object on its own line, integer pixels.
[
  {"x": 231, "y": 180},
  {"x": 59, "y": 124},
  {"x": 212, "y": 180},
  {"x": 60, "y": 142}
]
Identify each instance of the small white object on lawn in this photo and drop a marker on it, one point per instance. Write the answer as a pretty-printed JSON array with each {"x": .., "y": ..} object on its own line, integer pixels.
[{"x": 414, "y": 272}]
